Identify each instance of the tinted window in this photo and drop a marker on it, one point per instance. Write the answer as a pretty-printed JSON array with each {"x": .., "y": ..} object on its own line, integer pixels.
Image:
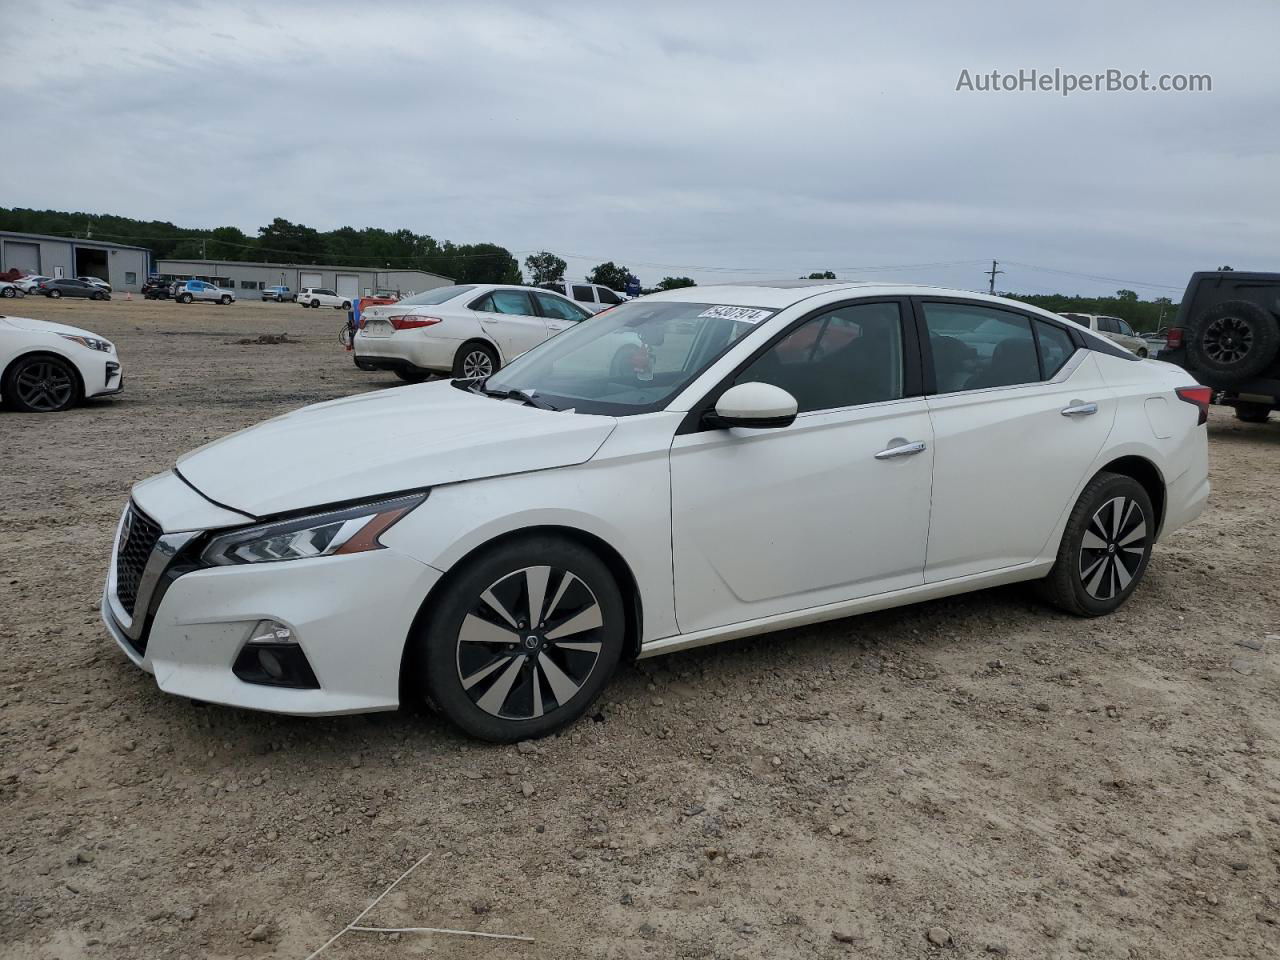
[
  {"x": 1108, "y": 325},
  {"x": 977, "y": 347},
  {"x": 515, "y": 302},
  {"x": 484, "y": 304},
  {"x": 1125, "y": 328},
  {"x": 559, "y": 309},
  {"x": 850, "y": 356},
  {"x": 583, "y": 294},
  {"x": 1056, "y": 348},
  {"x": 608, "y": 296}
]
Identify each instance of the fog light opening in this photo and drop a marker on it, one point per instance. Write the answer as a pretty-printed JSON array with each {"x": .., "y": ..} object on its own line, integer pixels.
[
  {"x": 270, "y": 664},
  {"x": 272, "y": 657}
]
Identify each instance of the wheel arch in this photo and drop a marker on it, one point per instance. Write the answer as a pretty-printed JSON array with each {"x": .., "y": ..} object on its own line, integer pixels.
[
  {"x": 628, "y": 586},
  {"x": 1148, "y": 475},
  {"x": 4, "y": 376},
  {"x": 483, "y": 340}
]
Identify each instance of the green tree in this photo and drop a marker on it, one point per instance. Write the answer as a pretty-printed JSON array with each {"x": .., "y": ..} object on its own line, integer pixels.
[
  {"x": 230, "y": 243},
  {"x": 675, "y": 283},
  {"x": 824, "y": 275},
  {"x": 610, "y": 275},
  {"x": 1126, "y": 296},
  {"x": 282, "y": 240},
  {"x": 544, "y": 267}
]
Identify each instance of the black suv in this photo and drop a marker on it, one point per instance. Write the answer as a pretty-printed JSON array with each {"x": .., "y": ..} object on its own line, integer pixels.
[
  {"x": 1227, "y": 333},
  {"x": 155, "y": 289}
]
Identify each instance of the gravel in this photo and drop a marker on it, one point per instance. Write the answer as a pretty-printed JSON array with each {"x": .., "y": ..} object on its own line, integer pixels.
[{"x": 1109, "y": 821}]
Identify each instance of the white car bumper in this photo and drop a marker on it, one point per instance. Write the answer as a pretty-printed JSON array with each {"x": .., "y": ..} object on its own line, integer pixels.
[
  {"x": 349, "y": 615},
  {"x": 425, "y": 353}
]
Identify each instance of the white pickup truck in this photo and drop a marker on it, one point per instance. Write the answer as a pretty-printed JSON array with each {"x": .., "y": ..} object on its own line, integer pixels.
[{"x": 322, "y": 297}]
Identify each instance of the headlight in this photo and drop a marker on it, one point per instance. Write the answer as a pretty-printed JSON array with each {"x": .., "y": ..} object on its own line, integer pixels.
[
  {"x": 352, "y": 530},
  {"x": 93, "y": 343}
]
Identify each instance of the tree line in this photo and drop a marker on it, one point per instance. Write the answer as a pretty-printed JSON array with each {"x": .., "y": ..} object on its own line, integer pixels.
[{"x": 283, "y": 240}]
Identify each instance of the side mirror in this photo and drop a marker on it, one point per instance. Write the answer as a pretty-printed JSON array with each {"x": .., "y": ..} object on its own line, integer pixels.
[{"x": 759, "y": 406}]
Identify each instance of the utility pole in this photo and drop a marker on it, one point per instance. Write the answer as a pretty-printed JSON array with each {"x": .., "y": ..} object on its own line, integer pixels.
[
  {"x": 88, "y": 232},
  {"x": 203, "y": 257},
  {"x": 991, "y": 285}
]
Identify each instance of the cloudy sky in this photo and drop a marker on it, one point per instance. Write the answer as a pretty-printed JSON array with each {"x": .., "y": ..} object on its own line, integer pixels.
[{"x": 719, "y": 140}]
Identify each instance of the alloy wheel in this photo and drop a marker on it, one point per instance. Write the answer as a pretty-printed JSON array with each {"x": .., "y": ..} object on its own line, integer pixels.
[
  {"x": 477, "y": 364},
  {"x": 1228, "y": 340},
  {"x": 45, "y": 386},
  {"x": 529, "y": 643},
  {"x": 1113, "y": 547}
]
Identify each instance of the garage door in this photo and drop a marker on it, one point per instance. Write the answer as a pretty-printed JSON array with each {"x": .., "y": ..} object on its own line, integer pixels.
[
  {"x": 24, "y": 257},
  {"x": 348, "y": 285},
  {"x": 309, "y": 280}
]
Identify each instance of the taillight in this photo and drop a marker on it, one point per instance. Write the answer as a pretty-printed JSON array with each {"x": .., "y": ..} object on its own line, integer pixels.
[
  {"x": 1173, "y": 340},
  {"x": 412, "y": 321},
  {"x": 1201, "y": 397}
]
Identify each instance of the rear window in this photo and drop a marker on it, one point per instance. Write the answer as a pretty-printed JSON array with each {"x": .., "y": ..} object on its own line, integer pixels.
[{"x": 438, "y": 295}]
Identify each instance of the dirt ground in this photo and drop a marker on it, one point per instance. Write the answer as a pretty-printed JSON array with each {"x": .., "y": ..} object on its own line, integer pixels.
[{"x": 1029, "y": 784}]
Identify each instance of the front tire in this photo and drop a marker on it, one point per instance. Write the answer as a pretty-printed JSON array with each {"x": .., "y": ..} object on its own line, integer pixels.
[
  {"x": 475, "y": 361},
  {"x": 523, "y": 640},
  {"x": 412, "y": 376},
  {"x": 224, "y": 301},
  {"x": 55, "y": 294},
  {"x": 41, "y": 384},
  {"x": 1105, "y": 548},
  {"x": 185, "y": 298},
  {"x": 8, "y": 292}
]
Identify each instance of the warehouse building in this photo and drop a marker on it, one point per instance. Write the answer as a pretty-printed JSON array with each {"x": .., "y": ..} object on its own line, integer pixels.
[
  {"x": 122, "y": 266},
  {"x": 246, "y": 275}
]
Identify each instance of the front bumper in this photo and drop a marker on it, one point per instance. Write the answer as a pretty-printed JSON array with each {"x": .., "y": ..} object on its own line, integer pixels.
[
  {"x": 351, "y": 616},
  {"x": 111, "y": 379}
]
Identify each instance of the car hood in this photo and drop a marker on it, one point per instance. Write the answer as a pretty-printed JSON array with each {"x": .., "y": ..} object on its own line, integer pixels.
[
  {"x": 44, "y": 326},
  {"x": 385, "y": 442}
]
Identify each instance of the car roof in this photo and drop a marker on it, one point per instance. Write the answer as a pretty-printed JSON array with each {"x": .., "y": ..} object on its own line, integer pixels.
[{"x": 781, "y": 294}]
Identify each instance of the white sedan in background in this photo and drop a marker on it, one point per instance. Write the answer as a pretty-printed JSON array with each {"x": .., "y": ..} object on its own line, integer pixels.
[
  {"x": 46, "y": 367},
  {"x": 469, "y": 330},
  {"x": 696, "y": 465}
]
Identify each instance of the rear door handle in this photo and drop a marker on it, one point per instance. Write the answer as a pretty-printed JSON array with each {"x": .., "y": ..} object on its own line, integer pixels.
[
  {"x": 1078, "y": 408},
  {"x": 898, "y": 447}
]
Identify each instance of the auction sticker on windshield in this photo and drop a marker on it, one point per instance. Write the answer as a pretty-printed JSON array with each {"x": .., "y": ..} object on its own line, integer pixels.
[{"x": 743, "y": 314}]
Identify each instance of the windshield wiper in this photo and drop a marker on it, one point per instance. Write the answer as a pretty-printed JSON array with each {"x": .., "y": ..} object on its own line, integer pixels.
[{"x": 523, "y": 396}]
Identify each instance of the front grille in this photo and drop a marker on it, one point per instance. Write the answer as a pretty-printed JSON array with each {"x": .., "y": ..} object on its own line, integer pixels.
[{"x": 138, "y": 540}]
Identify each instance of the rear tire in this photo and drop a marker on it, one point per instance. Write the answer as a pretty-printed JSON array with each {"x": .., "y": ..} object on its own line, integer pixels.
[
  {"x": 1105, "y": 548},
  {"x": 1252, "y": 412},
  {"x": 475, "y": 361},
  {"x": 315, "y": 304},
  {"x": 1236, "y": 339},
  {"x": 503, "y": 671}
]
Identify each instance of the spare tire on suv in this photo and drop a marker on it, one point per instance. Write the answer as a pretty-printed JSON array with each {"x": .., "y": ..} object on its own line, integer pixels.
[{"x": 1235, "y": 338}]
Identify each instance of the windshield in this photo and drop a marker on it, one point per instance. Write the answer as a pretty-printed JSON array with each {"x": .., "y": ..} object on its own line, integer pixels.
[
  {"x": 439, "y": 295},
  {"x": 631, "y": 359}
]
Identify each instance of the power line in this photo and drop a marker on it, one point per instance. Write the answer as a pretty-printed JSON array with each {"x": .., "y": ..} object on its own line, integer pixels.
[{"x": 1090, "y": 276}]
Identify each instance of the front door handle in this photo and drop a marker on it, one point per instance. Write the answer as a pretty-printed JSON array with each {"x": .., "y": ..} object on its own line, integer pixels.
[
  {"x": 898, "y": 447},
  {"x": 1078, "y": 408}
]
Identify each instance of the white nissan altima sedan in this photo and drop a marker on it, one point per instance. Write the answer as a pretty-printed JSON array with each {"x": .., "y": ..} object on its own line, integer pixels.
[{"x": 696, "y": 465}]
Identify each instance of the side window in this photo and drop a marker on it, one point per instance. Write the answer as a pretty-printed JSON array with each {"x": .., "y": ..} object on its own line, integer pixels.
[
  {"x": 1126, "y": 329},
  {"x": 975, "y": 347},
  {"x": 848, "y": 356},
  {"x": 484, "y": 304},
  {"x": 1056, "y": 348},
  {"x": 582, "y": 293},
  {"x": 557, "y": 309},
  {"x": 514, "y": 302},
  {"x": 1108, "y": 325},
  {"x": 608, "y": 296}
]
